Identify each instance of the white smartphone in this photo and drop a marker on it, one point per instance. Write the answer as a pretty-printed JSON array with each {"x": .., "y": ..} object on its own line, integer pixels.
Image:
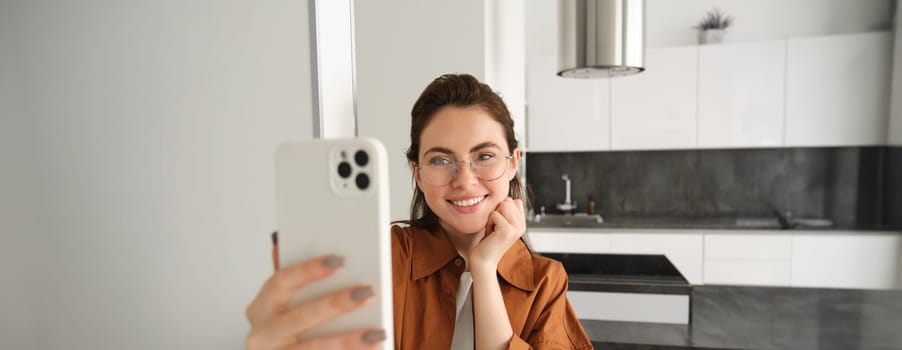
[{"x": 332, "y": 198}]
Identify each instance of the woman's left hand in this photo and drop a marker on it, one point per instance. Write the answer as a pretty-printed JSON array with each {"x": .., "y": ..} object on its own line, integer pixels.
[{"x": 506, "y": 225}]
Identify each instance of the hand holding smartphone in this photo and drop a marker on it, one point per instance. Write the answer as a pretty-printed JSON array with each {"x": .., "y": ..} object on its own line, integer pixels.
[{"x": 332, "y": 200}]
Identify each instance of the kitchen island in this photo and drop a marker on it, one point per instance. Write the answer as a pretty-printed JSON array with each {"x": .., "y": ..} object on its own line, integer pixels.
[
  {"x": 741, "y": 317},
  {"x": 749, "y": 288}
]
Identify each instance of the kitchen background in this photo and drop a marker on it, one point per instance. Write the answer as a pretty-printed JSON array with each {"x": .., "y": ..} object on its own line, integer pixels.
[
  {"x": 762, "y": 123},
  {"x": 761, "y": 168},
  {"x": 137, "y": 141}
]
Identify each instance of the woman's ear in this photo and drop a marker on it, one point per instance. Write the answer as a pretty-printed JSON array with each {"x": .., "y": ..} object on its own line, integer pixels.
[
  {"x": 515, "y": 162},
  {"x": 414, "y": 172}
]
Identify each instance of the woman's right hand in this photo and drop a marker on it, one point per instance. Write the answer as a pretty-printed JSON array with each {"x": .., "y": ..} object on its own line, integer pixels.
[{"x": 276, "y": 324}]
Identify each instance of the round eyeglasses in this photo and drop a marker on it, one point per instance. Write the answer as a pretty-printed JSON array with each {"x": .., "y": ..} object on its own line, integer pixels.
[{"x": 440, "y": 171}]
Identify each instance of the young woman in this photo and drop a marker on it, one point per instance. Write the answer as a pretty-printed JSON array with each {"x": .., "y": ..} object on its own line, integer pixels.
[{"x": 463, "y": 277}]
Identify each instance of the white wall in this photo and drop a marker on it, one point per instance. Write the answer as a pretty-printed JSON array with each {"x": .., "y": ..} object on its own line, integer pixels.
[
  {"x": 19, "y": 234},
  {"x": 154, "y": 130},
  {"x": 402, "y": 45},
  {"x": 894, "y": 133},
  {"x": 505, "y": 57}
]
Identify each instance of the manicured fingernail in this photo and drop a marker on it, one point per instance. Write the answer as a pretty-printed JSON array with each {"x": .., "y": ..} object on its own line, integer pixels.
[
  {"x": 333, "y": 261},
  {"x": 373, "y": 336},
  {"x": 361, "y": 293}
]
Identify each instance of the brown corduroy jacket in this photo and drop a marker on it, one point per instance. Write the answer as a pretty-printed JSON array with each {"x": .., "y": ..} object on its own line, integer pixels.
[{"x": 426, "y": 274}]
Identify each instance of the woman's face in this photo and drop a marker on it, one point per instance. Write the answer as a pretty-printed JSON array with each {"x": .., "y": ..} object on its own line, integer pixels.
[{"x": 462, "y": 134}]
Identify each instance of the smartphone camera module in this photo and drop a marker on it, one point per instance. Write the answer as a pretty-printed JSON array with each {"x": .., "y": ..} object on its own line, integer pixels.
[
  {"x": 351, "y": 170},
  {"x": 361, "y": 158},
  {"x": 363, "y": 181},
  {"x": 344, "y": 170}
]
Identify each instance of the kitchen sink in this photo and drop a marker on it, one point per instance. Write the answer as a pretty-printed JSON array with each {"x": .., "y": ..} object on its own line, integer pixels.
[
  {"x": 561, "y": 220},
  {"x": 784, "y": 224},
  {"x": 757, "y": 223}
]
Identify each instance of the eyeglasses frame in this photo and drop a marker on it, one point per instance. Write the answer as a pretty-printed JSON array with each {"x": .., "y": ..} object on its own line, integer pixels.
[{"x": 455, "y": 167}]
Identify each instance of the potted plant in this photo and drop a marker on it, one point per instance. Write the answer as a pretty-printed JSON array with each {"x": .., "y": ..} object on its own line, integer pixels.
[{"x": 712, "y": 27}]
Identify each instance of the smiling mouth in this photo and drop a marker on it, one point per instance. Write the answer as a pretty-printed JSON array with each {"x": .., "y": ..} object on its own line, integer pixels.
[{"x": 468, "y": 202}]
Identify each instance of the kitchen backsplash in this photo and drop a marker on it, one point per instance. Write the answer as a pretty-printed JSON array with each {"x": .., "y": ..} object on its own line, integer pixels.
[
  {"x": 847, "y": 184},
  {"x": 893, "y": 193}
]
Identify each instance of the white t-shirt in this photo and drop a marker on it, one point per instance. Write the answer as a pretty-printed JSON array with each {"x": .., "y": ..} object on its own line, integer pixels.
[{"x": 464, "y": 338}]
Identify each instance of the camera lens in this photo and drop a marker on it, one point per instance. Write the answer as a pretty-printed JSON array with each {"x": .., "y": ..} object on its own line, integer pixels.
[
  {"x": 361, "y": 158},
  {"x": 344, "y": 169},
  {"x": 363, "y": 181}
]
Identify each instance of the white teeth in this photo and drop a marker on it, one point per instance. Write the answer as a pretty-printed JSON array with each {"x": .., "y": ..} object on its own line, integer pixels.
[{"x": 468, "y": 202}]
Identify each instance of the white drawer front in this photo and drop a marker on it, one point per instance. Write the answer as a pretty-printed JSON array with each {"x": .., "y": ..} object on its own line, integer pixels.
[
  {"x": 860, "y": 261},
  {"x": 683, "y": 250},
  {"x": 630, "y": 307},
  {"x": 748, "y": 272},
  {"x": 748, "y": 246},
  {"x": 561, "y": 242}
]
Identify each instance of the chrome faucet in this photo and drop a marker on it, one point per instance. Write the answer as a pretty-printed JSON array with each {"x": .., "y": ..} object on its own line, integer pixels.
[
  {"x": 785, "y": 219},
  {"x": 568, "y": 205}
]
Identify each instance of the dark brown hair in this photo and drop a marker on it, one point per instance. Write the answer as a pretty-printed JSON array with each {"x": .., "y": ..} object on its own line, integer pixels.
[{"x": 460, "y": 90}]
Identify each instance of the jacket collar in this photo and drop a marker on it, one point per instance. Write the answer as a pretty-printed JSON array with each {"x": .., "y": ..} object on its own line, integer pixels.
[{"x": 433, "y": 250}]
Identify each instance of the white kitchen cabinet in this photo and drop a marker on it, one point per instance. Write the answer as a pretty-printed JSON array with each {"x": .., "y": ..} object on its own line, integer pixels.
[
  {"x": 684, "y": 250},
  {"x": 837, "y": 89},
  {"x": 749, "y": 258},
  {"x": 565, "y": 114},
  {"x": 852, "y": 260},
  {"x": 748, "y": 245},
  {"x": 828, "y": 259},
  {"x": 656, "y": 109},
  {"x": 748, "y": 272},
  {"x": 741, "y": 94},
  {"x": 569, "y": 242}
]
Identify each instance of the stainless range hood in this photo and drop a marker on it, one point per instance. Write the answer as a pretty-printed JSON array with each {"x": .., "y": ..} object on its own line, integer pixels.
[{"x": 601, "y": 38}]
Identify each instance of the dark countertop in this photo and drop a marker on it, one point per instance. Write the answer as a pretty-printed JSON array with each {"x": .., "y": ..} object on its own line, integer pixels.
[
  {"x": 740, "y": 317},
  {"x": 712, "y": 223}
]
